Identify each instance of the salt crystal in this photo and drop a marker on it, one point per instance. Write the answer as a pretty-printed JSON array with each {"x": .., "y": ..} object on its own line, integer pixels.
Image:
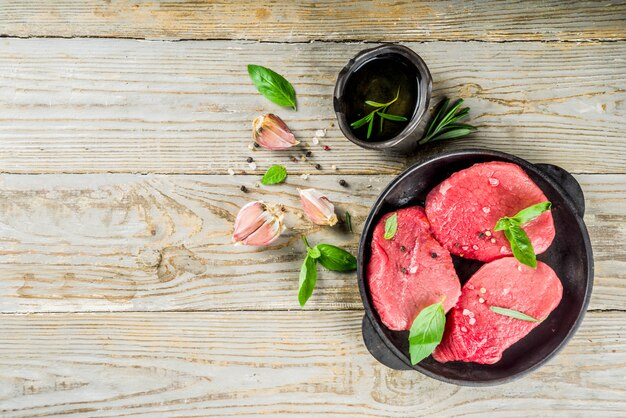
[
  {"x": 257, "y": 184},
  {"x": 486, "y": 209},
  {"x": 304, "y": 176},
  {"x": 463, "y": 329},
  {"x": 252, "y": 165},
  {"x": 471, "y": 286},
  {"x": 465, "y": 248},
  {"x": 488, "y": 233},
  {"x": 483, "y": 290},
  {"x": 466, "y": 312},
  {"x": 493, "y": 240},
  {"x": 250, "y": 146},
  {"x": 481, "y": 300},
  {"x": 493, "y": 181},
  {"x": 505, "y": 291},
  {"x": 503, "y": 250},
  {"x": 475, "y": 246},
  {"x": 472, "y": 321},
  {"x": 413, "y": 269},
  {"x": 519, "y": 267},
  {"x": 334, "y": 167},
  {"x": 320, "y": 133},
  {"x": 315, "y": 141},
  {"x": 231, "y": 171}
]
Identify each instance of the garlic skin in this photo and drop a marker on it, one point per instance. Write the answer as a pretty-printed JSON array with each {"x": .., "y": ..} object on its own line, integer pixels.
[
  {"x": 317, "y": 207},
  {"x": 258, "y": 224},
  {"x": 269, "y": 131}
]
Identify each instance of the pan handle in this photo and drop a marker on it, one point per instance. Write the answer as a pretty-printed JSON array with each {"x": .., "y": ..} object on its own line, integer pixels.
[
  {"x": 378, "y": 349},
  {"x": 567, "y": 182}
]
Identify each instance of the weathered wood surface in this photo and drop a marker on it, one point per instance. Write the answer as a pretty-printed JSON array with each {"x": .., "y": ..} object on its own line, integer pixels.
[
  {"x": 301, "y": 21},
  {"x": 94, "y": 105},
  {"x": 163, "y": 242},
  {"x": 275, "y": 363}
]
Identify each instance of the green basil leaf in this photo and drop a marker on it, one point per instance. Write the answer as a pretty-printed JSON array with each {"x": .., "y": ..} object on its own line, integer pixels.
[
  {"x": 502, "y": 224},
  {"x": 308, "y": 278},
  {"x": 273, "y": 86},
  {"x": 526, "y": 215},
  {"x": 521, "y": 246},
  {"x": 335, "y": 258},
  {"x": 513, "y": 314},
  {"x": 392, "y": 117},
  {"x": 426, "y": 332},
  {"x": 391, "y": 226},
  {"x": 274, "y": 175},
  {"x": 314, "y": 252}
]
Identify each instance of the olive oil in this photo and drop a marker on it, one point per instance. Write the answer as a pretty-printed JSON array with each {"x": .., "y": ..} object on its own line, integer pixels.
[{"x": 380, "y": 80}]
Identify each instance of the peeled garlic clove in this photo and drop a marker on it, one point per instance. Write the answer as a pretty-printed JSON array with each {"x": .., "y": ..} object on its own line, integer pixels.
[
  {"x": 258, "y": 224},
  {"x": 317, "y": 207},
  {"x": 269, "y": 131}
]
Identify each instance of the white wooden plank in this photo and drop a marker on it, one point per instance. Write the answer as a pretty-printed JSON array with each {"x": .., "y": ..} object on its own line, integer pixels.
[
  {"x": 304, "y": 20},
  {"x": 274, "y": 363},
  {"x": 94, "y": 105},
  {"x": 163, "y": 242}
]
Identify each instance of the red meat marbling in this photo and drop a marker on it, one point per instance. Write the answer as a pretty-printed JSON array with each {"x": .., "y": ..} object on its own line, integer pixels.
[
  {"x": 476, "y": 334},
  {"x": 464, "y": 208},
  {"x": 409, "y": 271}
]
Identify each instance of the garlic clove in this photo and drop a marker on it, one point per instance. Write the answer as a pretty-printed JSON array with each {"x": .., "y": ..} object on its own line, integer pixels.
[
  {"x": 269, "y": 131},
  {"x": 258, "y": 224},
  {"x": 317, "y": 207}
]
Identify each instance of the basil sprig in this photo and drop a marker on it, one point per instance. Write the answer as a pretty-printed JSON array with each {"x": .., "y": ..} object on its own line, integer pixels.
[
  {"x": 391, "y": 226},
  {"x": 274, "y": 175},
  {"x": 329, "y": 256},
  {"x": 513, "y": 314},
  {"x": 521, "y": 246},
  {"x": 273, "y": 86},
  {"x": 426, "y": 332}
]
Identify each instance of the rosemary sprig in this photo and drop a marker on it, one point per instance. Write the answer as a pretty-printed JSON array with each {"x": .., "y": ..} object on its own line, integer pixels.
[
  {"x": 444, "y": 125},
  {"x": 381, "y": 111}
]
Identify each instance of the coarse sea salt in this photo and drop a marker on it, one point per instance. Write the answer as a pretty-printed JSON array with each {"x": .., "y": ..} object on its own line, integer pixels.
[
  {"x": 320, "y": 133},
  {"x": 486, "y": 209},
  {"x": 466, "y": 312},
  {"x": 493, "y": 181},
  {"x": 252, "y": 166},
  {"x": 475, "y": 246},
  {"x": 463, "y": 329},
  {"x": 483, "y": 290},
  {"x": 315, "y": 141},
  {"x": 481, "y": 300},
  {"x": 231, "y": 171},
  {"x": 493, "y": 240},
  {"x": 304, "y": 176}
]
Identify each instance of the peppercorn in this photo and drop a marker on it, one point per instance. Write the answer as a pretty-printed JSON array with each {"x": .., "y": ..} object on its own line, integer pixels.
[
  {"x": 403, "y": 270},
  {"x": 343, "y": 183},
  {"x": 318, "y": 167},
  {"x": 434, "y": 255},
  {"x": 243, "y": 188},
  {"x": 249, "y": 159},
  {"x": 326, "y": 148},
  {"x": 481, "y": 235},
  {"x": 309, "y": 153},
  {"x": 293, "y": 159},
  {"x": 402, "y": 248},
  {"x": 256, "y": 145}
]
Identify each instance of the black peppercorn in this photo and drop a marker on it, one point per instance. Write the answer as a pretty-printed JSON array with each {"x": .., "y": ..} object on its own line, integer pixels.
[
  {"x": 249, "y": 159},
  {"x": 243, "y": 188},
  {"x": 434, "y": 255},
  {"x": 318, "y": 167},
  {"x": 402, "y": 248},
  {"x": 481, "y": 235},
  {"x": 343, "y": 183},
  {"x": 309, "y": 153},
  {"x": 256, "y": 145},
  {"x": 403, "y": 270}
]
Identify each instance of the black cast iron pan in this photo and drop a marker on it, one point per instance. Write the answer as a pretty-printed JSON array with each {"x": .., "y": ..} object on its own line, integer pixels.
[{"x": 569, "y": 255}]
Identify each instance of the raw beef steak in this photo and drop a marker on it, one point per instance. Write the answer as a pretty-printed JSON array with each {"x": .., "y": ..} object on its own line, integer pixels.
[
  {"x": 409, "y": 271},
  {"x": 463, "y": 210},
  {"x": 476, "y": 334}
]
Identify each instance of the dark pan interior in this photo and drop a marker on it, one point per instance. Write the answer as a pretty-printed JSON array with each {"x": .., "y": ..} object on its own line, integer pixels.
[{"x": 569, "y": 256}]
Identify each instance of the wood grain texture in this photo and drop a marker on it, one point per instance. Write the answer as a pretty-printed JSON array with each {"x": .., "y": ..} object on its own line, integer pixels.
[
  {"x": 275, "y": 363},
  {"x": 302, "y": 21},
  {"x": 162, "y": 242},
  {"x": 94, "y": 105}
]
